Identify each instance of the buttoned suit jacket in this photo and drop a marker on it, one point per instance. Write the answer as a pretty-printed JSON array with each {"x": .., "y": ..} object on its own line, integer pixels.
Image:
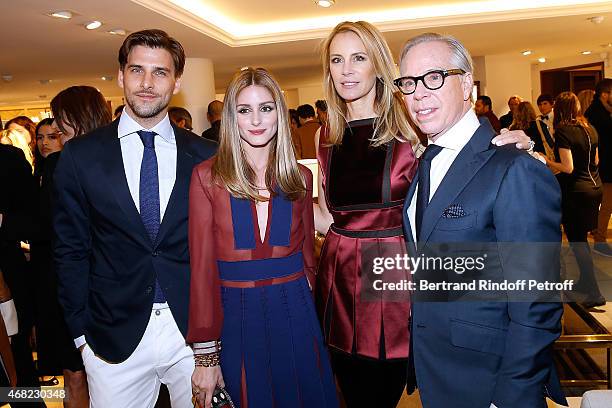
[
  {"x": 106, "y": 262},
  {"x": 471, "y": 353}
]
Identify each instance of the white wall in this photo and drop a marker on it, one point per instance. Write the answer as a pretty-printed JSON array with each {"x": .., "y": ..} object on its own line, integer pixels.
[
  {"x": 506, "y": 75},
  {"x": 292, "y": 98},
  {"x": 310, "y": 93}
]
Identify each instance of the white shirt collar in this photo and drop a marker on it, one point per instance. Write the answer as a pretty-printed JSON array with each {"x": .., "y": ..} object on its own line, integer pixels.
[
  {"x": 460, "y": 134},
  {"x": 127, "y": 126}
]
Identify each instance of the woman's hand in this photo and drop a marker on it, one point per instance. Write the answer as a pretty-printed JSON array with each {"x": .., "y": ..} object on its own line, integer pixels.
[
  {"x": 519, "y": 137},
  {"x": 204, "y": 381}
]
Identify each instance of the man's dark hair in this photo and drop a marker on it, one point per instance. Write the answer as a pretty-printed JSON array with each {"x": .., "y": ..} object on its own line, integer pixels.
[
  {"x": 605, "y": 85},
  {"x": 305, "y": 111},
  {"x": 321, "y": 105},
  {"x": 545, "y": 98},
  {"x": 177, "y": 113},
  {"x": 154, "y": 39},
  {"x": 486, "y": 101},
  {"x": 82, "y": 107}
]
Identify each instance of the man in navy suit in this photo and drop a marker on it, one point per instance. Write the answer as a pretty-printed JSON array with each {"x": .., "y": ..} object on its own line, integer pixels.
[
  {"x": 120, "y": 221},
  {"x": 476, "y": 354}
]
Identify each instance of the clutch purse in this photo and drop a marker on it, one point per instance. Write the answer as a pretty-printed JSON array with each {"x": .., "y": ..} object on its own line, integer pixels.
[{"x": 221, "y": 399}]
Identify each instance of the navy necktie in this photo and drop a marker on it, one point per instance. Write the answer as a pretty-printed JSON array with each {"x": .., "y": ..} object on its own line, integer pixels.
[
  {"x": 149, "y": 195},
  {"x": 424, "y": 189}
]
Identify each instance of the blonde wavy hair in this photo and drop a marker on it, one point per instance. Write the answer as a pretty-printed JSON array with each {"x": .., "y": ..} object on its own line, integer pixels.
[
  {"x": 391, "y": 116},
  {"x": 18, "y": 138},
  {"x": 231, "y": 168}
]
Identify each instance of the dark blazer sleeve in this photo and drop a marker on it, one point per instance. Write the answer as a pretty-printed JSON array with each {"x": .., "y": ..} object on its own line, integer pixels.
[
  {"x": 72, "y": 241},
  {"x": 528, "y": 210}
]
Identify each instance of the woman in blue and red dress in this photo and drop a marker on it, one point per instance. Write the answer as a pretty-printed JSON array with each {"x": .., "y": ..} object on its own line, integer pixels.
[{"x": 251, "y": 242}]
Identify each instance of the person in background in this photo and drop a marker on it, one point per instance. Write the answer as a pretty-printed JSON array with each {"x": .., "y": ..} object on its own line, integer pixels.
[
  {"x": 19, "y": 138},
  {"x": 294, "y": 121},
  {"x": 213, "y": 114},
  {"x": 180, "y": 117},
  {"x": 506, "y": 120},
  {"x": 72, "y": 114},
  {"x": 272, "y": 351},
  {"x": 585, "y": 97},
  {"x": 577, "y": 145},
  {"x": 24, "y": 123},
  {"x": 48, "y": 143},
  {"x": 17, "y": 223},
  {"x": 484, "y": 109},
  {"x": 545, "y": 104},
  {"x": 525, "y": 119},
  {"x": 77, "y": 110},
  {"x": 321, "y": 108},
  {"x": 599, "y": 115},
  {"x": 118, "y": 111},
  {"x": 48, "y": 139},
  {"x": 306, "y": 132}
]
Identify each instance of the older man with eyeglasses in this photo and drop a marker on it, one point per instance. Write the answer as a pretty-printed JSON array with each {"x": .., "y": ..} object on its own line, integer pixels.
[{"x": 484, "y": 352}]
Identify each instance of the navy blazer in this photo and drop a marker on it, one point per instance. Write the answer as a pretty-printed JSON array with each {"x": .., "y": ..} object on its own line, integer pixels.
[
  {"x": 471, "y": 353},
  {"x": 106, "y": 262}
]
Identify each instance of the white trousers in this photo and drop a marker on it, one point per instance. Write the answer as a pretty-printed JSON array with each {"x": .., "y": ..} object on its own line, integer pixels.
[{"x": 161, "y": 357}]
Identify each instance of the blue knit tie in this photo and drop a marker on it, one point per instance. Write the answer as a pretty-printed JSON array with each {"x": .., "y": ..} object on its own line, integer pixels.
[{"x": 149, "y": 196}]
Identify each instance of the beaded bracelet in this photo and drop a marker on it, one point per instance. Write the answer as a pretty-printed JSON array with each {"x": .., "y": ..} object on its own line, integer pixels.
[{"x": 207, "y": 360}]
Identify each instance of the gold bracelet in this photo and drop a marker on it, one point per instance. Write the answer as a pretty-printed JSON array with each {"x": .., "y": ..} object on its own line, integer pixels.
[{"x": 207, "y": 360}]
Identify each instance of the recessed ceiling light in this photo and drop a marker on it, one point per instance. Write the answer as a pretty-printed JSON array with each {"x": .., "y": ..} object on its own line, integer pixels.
[
  {"x": 325, "y": 3},
  {"x": 596, "y": 19},
  {"x": 65, "y": 14},
  {"x": 106, "y": 78},
  {"x": 527, "y": 52},
  {"x": 542, "y": 60},
  {"x": 117, "y": 31},
  {"x": 44, "y": 81},
  {"x": 586, "y": 52},
  {"x": 7, "y": 77},
  {"x": 92, "y": 25}
]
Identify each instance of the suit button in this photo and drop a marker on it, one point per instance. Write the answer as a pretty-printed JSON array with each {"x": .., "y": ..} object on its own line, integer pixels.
[{"x": 149, "y": 289}]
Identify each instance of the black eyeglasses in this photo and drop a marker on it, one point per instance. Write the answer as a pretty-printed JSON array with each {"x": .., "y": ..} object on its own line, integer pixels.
[{"x": 432, "y": 80}]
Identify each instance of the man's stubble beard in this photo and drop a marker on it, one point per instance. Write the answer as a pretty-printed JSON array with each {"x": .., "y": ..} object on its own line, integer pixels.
[{"x": 146, "y": 111}]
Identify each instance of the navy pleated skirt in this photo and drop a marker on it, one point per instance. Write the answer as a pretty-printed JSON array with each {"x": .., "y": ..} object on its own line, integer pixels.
[{"x": 273, "y": 353}]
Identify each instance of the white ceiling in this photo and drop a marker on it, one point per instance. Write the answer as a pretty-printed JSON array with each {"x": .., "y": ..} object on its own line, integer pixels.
[{"x": 37, "y": 47}]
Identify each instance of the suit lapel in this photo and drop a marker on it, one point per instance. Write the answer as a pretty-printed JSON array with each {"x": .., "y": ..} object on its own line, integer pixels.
[
  {"x": 180, "y": 190},
  {"x": 112, "y": 163},
  {"x": 471, "y": 158}
]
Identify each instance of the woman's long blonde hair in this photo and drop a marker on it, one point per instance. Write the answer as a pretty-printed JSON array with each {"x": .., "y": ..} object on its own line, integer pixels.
[
  {"x": 391, "y": 116},
  {"x": 231, "y": 168},
  {"x": 18, "y": 138},
  {"x": 524, "y": 115}
]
